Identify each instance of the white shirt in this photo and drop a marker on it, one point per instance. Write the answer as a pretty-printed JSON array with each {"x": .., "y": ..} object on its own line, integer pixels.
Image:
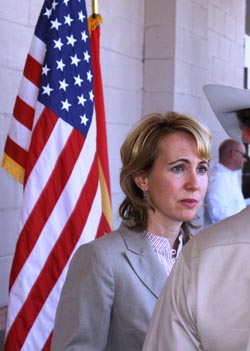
[
  {"x": 164, "y": 251},
  {"x": 224, "y": 196}
]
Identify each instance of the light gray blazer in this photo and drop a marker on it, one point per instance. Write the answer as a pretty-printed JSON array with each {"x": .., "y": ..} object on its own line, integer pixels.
[{"x": 109, "y": 294}]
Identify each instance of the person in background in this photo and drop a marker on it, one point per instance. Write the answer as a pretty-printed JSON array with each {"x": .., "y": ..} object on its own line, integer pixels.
[
  {"x": 224, "y": 196},
  {"x": 205, "y": 304},
  {"x": 113, "y": 282}
]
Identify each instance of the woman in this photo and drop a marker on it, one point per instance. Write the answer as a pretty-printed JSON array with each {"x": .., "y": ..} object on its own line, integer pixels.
[{"x": 113, "y": 282}]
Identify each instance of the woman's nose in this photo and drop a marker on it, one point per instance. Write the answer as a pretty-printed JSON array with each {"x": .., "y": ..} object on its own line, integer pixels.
[{"x": 193, "y": 180}]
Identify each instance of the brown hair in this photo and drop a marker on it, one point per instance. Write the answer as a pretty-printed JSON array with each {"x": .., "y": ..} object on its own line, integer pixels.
[{"x": 139, "y": 152}]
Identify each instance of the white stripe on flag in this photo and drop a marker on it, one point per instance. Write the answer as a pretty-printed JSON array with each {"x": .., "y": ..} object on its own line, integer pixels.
[
  {"x": 20, "y": 134},
  {"x": 28, "y": 92},
  {"x": 37, "y": 49}
]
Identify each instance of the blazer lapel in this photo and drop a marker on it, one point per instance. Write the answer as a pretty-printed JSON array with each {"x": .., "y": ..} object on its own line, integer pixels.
[{"x": 144, "y": 261}]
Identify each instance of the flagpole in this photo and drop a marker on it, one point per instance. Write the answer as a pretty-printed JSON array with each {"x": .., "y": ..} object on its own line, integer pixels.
[
  {"x": 95, "y": 10},
  {"x": 95, "y": 19}
]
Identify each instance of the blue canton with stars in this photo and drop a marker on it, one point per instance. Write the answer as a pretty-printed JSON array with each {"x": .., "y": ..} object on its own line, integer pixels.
[{"x": 67, "y": 80}]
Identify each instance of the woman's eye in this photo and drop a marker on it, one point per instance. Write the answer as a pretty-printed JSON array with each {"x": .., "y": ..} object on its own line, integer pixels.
[
  {"x": 202, "y": 169},
  {"x": 178, "y": 168}
]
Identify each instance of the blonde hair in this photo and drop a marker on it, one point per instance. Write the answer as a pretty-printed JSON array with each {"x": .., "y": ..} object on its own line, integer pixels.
[{"x": 140, "y": 150}]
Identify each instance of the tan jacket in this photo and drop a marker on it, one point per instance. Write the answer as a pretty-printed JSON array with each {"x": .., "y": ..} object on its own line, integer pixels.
[{"x": 205, "y": 304}]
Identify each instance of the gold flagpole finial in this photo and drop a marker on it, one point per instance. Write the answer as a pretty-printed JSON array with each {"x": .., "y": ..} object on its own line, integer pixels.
[
  {"x": 95, "y": 19},
  {"x": 95, "y": 10}
]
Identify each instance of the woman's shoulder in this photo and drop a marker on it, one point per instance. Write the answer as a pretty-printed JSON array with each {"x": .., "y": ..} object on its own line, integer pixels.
[{"x": 108, "y": 241}]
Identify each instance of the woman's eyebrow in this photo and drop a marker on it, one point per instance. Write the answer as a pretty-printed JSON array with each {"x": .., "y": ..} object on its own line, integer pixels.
[
  {"x": 204, "y": 161},
  {"x": 179, "y": 160},
  {"x": 187, "y": 161}
]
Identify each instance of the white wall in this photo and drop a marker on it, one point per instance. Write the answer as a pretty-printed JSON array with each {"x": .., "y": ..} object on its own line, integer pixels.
[
  {"x": 226, "y": 29},
  {"x": 159, "y": 68},
  {"x": 189, "y": 43}
]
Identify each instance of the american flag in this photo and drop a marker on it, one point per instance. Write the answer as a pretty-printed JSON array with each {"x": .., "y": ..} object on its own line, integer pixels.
[{"x": 57, "y": 148}]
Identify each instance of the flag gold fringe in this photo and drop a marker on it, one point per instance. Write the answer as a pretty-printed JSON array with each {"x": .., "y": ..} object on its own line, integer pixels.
[
  {"x": 93, "y": 22},
  {"x": 106, "y": 203},
  {"x": 13, "y": 168}
]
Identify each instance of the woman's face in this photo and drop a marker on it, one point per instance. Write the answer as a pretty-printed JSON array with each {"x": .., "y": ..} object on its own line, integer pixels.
[{"x": 177, "y": 183}]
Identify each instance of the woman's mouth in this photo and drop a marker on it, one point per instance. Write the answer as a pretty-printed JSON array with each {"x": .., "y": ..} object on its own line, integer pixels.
[{"x": 190, "y": 203}]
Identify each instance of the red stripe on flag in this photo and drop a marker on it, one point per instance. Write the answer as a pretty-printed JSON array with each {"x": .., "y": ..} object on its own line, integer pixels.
[
  {"x": 56, "y": 261},
  {"x": 104, "y": 227},
  {"x": 40, "y": 135},
  {"x": 32, "y": 70},
  {"x": 14, "y": 151},
  {"x": 46, "y": 346},
  {"x": 50, "y": 194},
  {"x": 99, "y": 104},
  {"x": 24, "y": 113}
]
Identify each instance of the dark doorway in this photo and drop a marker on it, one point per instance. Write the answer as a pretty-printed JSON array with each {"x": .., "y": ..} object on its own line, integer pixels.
[{"x": 246, "y": 175}]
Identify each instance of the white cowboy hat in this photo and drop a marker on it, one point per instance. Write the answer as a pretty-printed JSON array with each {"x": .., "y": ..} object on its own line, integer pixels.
[{"x": 225, "y": 102}]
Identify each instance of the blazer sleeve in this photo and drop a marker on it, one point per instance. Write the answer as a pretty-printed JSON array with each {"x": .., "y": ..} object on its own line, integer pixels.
[{"x": 83, "y": 313}]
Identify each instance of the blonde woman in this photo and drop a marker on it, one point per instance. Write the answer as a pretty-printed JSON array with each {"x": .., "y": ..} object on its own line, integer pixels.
[{"x": 113, "y": 282}]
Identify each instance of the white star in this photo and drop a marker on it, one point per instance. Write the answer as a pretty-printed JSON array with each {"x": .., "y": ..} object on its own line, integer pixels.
[
  {"x": 81, "y": 16},
  {"x": 78, "y": 80},
  {"x": 45, "y": 70},
  {"x": 81, "y": 100},
  {"x": 48, "y": 12},
  {"x": 89, "y": 76},
  {"x": 63, "y": 84},
  {"x": 84, "y": 36},
  {"x": 65, "y": 105},
  {"x": 66, "y": 2},
  {"x": 75, "y": 60},
  {"x": 84, "y": 120},
  {"x": 60, "y": 65},
  {"x": 47, "y": 89},
  {"x": 58, "y": 44},
  {"x": 91, "y": 95},
  {"x": 54, "y": 3},
  {"x": 86, "y": 56},
  {"x": 71, "y": 40},
  {"x": 68, "y": 20},
  {"x": 55, "y": 24}
]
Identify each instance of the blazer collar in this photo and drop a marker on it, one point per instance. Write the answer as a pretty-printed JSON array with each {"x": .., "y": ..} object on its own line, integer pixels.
[{"x": 144, "y": 260}]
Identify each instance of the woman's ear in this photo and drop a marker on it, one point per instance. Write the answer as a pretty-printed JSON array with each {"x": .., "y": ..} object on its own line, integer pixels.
[
  {"x": 141, "y": 180},
  {"x": 246, "y": 135}
]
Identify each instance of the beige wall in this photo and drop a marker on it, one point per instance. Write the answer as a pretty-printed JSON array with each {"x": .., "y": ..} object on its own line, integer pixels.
[{"x": 155, "y": 56}]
